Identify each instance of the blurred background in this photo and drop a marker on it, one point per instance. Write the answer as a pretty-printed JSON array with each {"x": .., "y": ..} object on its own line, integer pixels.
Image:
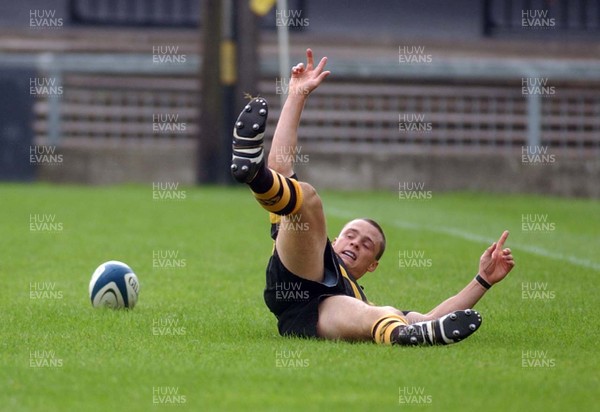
[{"x": 499, "y": 96}]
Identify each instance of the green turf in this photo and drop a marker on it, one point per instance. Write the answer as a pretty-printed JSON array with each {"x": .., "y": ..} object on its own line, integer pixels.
[{"x": 225, "y": 356}]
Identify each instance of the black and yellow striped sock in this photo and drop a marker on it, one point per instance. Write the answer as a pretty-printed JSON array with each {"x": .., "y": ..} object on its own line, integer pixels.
[
  {"x": 276, "y": 193},
  {"x": 385, "y": 331}
]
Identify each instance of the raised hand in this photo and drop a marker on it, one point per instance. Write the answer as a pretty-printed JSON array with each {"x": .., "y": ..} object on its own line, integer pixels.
[
  {"x": 496, "y": 262},
  {"x": 305, "y": 79}
]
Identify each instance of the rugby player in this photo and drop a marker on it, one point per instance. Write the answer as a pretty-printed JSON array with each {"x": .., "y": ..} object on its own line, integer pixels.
[{"x": 327, "y": 301}]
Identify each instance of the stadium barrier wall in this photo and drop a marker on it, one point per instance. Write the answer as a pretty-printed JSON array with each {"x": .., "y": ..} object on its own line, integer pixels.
[
  {"x": 501, "y": 173},
  {"x": 102, "y": 162},
  {"x": 121, "y": 161}
]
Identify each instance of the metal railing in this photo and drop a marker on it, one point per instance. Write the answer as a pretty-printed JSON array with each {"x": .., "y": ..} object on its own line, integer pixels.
[{"x": 469, "y": 102}]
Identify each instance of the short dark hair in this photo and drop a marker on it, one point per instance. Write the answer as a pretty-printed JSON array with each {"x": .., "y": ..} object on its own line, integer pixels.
[{"x": 383, "y": 242}]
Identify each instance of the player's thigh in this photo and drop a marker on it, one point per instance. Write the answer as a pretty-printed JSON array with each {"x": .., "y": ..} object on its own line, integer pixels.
[
  {"x": 302, "y": 237},
  {"x": 344, "y": 317}
]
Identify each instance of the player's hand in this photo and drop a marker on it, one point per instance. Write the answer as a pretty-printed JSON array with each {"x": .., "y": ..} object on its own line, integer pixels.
[
  {"x": 305, "y": 79},
  {"x": 496, "y": 262}
]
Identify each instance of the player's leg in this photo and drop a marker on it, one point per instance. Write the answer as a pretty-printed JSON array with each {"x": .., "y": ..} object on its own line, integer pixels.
[
  {"x": 302, "y": 237},
  {"x": 343, "y": 317},
  {"x": 302, "y": 233},
  {"x": 276, "y": 193}
]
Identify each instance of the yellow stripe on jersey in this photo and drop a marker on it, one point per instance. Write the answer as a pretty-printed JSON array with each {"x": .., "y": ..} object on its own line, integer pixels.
[
  {"x": 274, "y": 219},
  {"x": 357, "y": 294}
]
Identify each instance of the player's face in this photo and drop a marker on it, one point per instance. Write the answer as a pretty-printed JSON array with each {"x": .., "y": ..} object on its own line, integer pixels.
[{"x": 357, "y": 245}]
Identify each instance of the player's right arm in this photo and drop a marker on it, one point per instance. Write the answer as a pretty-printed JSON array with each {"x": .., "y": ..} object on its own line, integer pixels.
[{"x": 303, "y": 81}]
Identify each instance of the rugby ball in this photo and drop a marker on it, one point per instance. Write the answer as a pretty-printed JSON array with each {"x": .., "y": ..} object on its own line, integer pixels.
[{"x": 114, "y": 285}]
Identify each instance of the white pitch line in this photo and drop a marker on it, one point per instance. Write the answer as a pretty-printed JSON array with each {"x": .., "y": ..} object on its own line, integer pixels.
[{"x": 473, "y": 237}]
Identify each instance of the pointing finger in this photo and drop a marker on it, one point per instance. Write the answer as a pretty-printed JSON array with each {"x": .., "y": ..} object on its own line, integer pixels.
[{"x": 502, "y": 239}]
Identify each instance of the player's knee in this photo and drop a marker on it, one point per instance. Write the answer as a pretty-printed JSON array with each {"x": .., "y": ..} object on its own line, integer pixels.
[
  {"x": 376, "y": 312},
  {"x": 391, "y": 310},
  {"x": 310, "y": 196}
]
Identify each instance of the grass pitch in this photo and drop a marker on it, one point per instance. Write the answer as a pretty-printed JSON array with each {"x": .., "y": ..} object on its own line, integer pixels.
[{"x": 201, "y": 337}]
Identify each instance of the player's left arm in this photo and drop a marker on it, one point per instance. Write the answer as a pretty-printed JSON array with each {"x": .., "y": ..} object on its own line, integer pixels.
[{"x": 494, "y": 265}]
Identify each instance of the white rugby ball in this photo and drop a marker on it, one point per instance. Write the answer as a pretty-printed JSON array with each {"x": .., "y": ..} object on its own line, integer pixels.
[{"x": 114, "y": 285}]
